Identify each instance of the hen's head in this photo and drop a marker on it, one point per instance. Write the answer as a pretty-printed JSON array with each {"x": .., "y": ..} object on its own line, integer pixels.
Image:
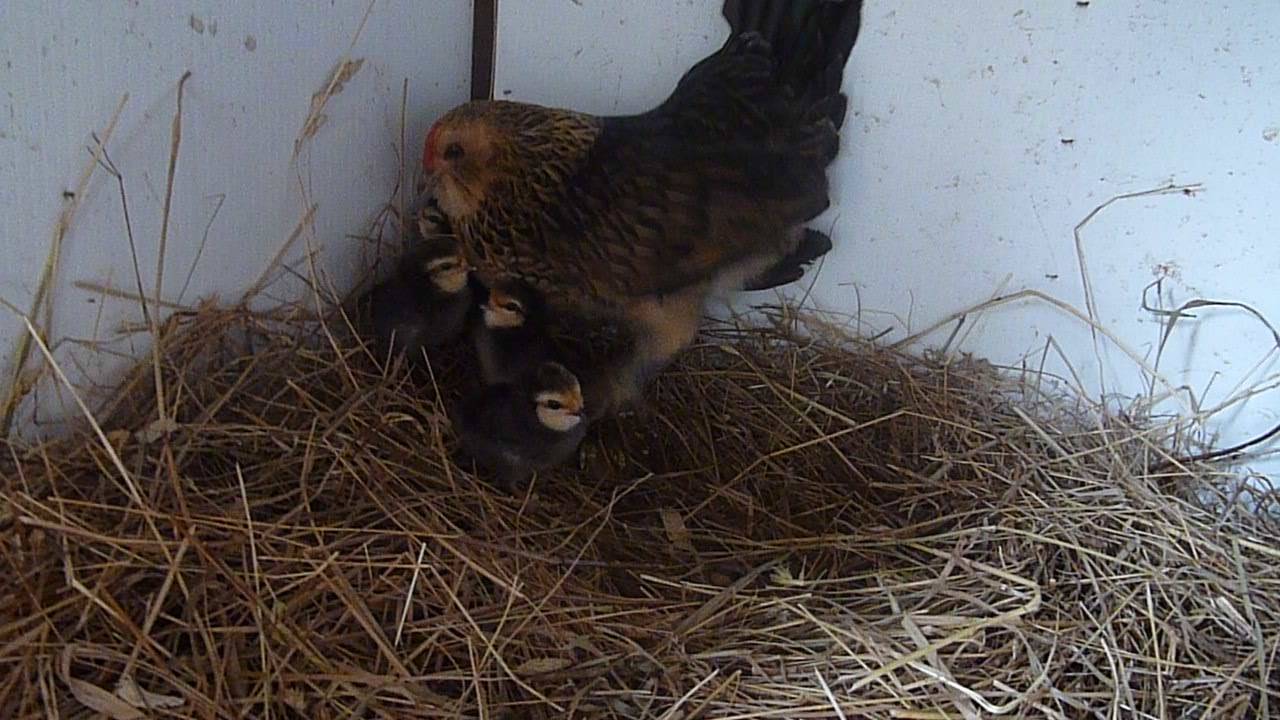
[{"x": 478, "y": 148}]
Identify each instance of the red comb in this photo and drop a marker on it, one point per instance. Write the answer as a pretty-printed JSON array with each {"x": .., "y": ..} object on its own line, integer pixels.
[{"x": 429, "y": 151}]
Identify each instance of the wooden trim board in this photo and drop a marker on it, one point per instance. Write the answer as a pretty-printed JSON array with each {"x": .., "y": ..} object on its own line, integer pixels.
[{"x": 484, "y": 31}]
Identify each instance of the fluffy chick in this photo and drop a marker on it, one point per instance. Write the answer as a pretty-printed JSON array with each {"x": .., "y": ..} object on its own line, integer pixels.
[
  {"x": 511, "y": 337},
  {"x": 426, "y": 302},
  {"x": 516, "y": 429},
  {"x": 518, "y": 331}
]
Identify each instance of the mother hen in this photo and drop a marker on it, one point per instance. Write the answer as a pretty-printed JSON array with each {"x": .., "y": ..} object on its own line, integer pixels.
[{"x": 643, "y": 217}]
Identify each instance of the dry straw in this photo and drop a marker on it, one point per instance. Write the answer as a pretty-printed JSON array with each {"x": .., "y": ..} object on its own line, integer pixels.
[{"x": 795, "y": 525}]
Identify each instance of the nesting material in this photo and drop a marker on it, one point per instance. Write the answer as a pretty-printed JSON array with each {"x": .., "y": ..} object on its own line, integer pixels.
[{"x": 791, "y": 527}]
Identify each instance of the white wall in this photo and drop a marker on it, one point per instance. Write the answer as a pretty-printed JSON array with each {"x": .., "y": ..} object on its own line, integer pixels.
[
  {"x": 255, "y": 65},
  {"x": 955, "y": 174}
]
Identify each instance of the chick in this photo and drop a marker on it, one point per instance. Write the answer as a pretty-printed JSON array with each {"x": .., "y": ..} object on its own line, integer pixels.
[
  {"x": 519, "y": 428},
  {"x": 511, "y": 338},
  {"x": 426, "y": 302},
  {"x": 518, "y": 331},
  {"x": 428, "y": 219}
]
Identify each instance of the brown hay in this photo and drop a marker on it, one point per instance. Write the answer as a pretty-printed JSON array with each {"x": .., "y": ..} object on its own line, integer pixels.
[{"x": 791, "y": 528}]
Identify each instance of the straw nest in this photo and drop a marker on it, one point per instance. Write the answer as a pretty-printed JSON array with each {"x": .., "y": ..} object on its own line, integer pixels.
[{"x": 795, "y": 525}]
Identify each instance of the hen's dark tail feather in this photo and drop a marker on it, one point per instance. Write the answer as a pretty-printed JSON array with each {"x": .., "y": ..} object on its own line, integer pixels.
[
  {"x": 810, "y": 40},
  {"x": 791, "y": 268}
]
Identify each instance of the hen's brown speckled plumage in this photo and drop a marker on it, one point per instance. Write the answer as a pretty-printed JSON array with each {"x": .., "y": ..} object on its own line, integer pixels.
[{"x": 643, "y": 215}]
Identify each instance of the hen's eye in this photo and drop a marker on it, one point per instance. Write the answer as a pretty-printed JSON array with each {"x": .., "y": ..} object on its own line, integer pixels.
[
  {"x": 512, "y": 308},
  {"x": 554, "y": 405},
  {"x": 453, "y": 151}
]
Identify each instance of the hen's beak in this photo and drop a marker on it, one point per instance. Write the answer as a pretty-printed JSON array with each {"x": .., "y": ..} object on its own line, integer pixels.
[
  {"x": 431, "y": 182},
  {"x": 426, "y": 193}
]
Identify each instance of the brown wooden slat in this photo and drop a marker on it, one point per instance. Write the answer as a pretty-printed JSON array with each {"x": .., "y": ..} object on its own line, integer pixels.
[{"x": 484, "y": 31}]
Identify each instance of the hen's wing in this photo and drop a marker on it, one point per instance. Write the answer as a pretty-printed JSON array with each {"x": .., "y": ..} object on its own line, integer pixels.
[
  {"x": 717, "y": 174},
  {"x": 734, "y": 157},
  {"x": 650, "y": 212}
]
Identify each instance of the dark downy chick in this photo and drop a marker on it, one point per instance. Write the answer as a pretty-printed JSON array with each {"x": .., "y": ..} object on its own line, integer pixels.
[
  {"x": 426, "y": 302},
  {"x": 511, "y": 337},
  {"x": 519, "y": 428}
]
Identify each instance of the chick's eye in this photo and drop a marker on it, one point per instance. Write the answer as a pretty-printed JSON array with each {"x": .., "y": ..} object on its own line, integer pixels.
[
  {"x": 554, "y": 405},
  {"x": 512, "y": 307},
  {"x": 453, "y": 151}
]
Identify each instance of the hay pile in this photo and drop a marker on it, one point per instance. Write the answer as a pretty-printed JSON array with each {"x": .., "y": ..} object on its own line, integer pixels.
[{"x": 789, "y": 529}]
